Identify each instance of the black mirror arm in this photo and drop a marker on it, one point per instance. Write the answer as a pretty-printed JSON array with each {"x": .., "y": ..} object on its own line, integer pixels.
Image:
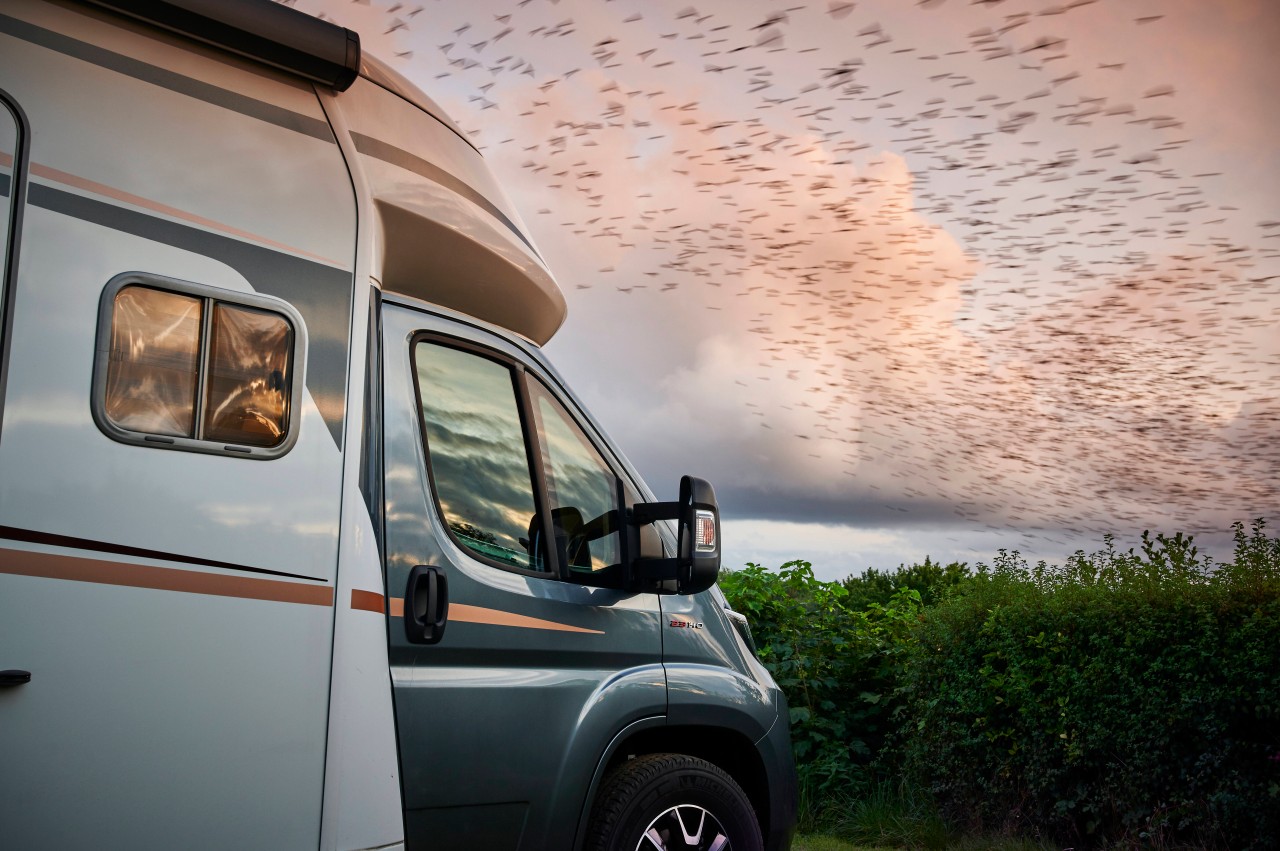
[
  {"x": 655, "y": 569},
  {"x": 658, "y": 569},
  {"x": 644, "y": 513}
]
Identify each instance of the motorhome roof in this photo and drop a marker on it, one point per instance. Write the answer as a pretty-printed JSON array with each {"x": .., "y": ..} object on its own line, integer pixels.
[
  {"x": 447, "y": 234},
  {"x": 376, "y": 71},
  {"x": 284, "y": 38},
  {"x": 264, "y": 31}
]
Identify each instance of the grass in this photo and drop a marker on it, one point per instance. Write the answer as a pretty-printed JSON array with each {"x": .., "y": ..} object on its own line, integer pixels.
[
  {"x": 827, "y": 843},
  {"x": 890, "y": 815},
  {"x": 832, "y": 843},
  {"x": 885, "y": 815}
]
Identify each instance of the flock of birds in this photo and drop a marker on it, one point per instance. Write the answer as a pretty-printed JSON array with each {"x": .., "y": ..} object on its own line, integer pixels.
[{"x": 973, "y": 275}]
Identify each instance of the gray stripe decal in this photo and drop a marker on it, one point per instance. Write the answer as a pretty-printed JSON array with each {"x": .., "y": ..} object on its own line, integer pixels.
[
  {"x": 389, "y": 153},
  {"x": 322, "y": 294},
  {"x": 270, "y": 113}
]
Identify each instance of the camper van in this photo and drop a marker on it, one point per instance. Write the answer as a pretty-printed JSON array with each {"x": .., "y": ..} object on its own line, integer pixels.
[{"x": 303, "y": 542}]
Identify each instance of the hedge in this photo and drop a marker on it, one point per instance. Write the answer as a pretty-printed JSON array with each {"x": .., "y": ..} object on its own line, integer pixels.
[{"x": 1126, "y": 698}]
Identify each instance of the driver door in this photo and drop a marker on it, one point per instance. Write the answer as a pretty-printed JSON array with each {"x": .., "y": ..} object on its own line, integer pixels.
[{"x": 492, "y": 479}]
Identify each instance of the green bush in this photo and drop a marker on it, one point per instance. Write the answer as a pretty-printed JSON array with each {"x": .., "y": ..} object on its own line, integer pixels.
[
  {"x": 934, "y": 581},
  {"x": 1124, "y": 699},
  {"x": 1127, "y": 697},
  {"x": 838, "y": 666}
]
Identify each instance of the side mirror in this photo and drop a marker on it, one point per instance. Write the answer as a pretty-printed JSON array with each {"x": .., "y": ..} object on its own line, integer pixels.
[{"x": 697, "y": 516}]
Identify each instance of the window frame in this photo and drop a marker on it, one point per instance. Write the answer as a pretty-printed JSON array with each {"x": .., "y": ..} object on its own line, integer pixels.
[
  {"x": 13, "y": 225},
  {"x": 521, "y": 376},
  {"x": 211, "y": 295}
]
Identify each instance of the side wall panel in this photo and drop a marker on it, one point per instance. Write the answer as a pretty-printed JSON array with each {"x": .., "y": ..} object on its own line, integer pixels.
[
  {"x": 178, "y": 697},
  {"x": 128, "y": 175}
]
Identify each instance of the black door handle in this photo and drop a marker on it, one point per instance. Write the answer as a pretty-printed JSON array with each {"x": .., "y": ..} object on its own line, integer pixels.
[
  {"x": 14, "y": 677},
  {"x": 426, "y": 605}
]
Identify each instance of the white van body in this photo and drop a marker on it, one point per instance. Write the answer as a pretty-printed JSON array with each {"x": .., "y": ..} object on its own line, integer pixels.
[{"x": 205, "y": 626}]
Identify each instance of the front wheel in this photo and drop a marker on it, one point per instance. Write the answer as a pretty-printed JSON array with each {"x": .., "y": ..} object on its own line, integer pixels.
[{"x": 672, "y": 802}]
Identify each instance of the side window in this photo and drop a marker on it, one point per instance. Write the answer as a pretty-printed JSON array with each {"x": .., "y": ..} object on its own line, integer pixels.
[
  {"x": 479, "y": 463},
  {"x": 582, "y": 490},
  {"x": 518, "y": 482},
  {"x": 185, "y": 366},
  {"x": 153, "y": 365}
]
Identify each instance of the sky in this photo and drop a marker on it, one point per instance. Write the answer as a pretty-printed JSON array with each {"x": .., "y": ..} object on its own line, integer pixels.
[{"x": 899, "y": 278}]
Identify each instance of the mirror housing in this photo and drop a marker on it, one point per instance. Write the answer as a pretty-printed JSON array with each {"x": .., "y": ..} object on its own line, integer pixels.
[{"x": 697, "y": 516}]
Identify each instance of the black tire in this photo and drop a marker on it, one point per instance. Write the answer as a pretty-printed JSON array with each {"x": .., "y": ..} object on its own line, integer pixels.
[{"x": 644, "y": 802}]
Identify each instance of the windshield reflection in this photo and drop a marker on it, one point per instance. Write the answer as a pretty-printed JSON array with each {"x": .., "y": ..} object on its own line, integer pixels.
[{"x": 477, "y": 453}]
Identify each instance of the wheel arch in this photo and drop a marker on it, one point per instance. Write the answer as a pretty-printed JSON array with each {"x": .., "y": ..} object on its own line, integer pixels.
[{"x": 723, "y": 747}]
